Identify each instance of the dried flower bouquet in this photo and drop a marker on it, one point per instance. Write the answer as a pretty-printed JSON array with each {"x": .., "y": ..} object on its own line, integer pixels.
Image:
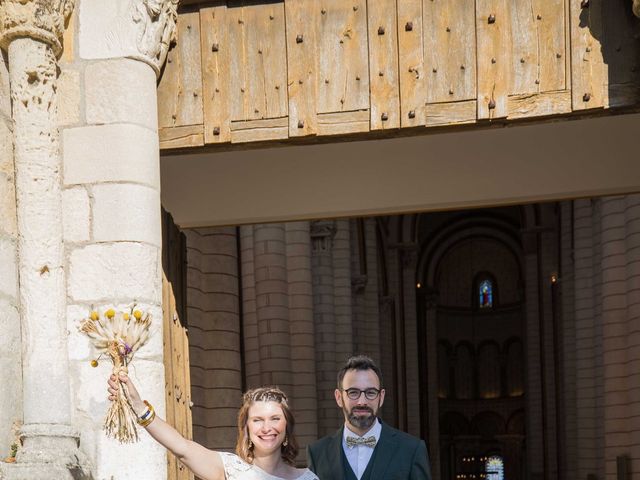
[{"x": 118, "y": 335}]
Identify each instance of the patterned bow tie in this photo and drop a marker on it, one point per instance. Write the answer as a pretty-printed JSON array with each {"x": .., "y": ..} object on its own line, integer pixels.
[{"x": 367, "y": 442}]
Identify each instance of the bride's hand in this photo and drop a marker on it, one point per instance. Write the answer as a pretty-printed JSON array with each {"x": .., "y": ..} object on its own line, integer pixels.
[{"x": 114, "y": 385}]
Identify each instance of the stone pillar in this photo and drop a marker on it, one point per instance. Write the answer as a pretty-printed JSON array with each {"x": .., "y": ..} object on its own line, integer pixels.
[
  {"x": 341, "y": 254},
  {"x": 213, "y": 315},
  {"x": 568, "y": 366},
  {"x": 249, "y": 318},
  {"x": 112, "y": 196},
  {"x": 278, "y": 316},
  {"x": 324, "y": 319},
  {"x": 303, "y": 360},
  {"x": 10, "y": 354},
  {"x": 409, "y": 259},
  {"x": 272, "y": 305},
  {"x": 536, "y": 457},
  {"x": 431, "y": 349},
  {"x": 588, "y": 349},
  {"x": 31, "y": 35}
]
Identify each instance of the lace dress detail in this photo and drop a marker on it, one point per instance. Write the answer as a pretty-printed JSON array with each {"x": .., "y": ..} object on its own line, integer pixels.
[{"x": 237, "y": 469}]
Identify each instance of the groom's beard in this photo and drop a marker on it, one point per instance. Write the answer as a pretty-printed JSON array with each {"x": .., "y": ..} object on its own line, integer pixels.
[{"x": 360, "y": 420}]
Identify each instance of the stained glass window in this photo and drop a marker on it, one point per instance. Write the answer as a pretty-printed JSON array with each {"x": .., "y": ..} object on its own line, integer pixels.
[
  {"x": 494, "y": 467},
  {"x": 485, "y": 292}
]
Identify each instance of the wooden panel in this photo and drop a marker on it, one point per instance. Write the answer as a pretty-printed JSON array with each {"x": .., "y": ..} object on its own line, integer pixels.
[
  {"x": 180, "y": 91},
  {"x": 176, "y": 346},
  {"x": 302, "y": 55},
  {"x": 216, "y": 50},
  {"x": 260, "y": 130},
  {"x": 342, "y": 123},
  {"x": 413, "y": 86},
  {"x": 383, "y": 64},
  {"x": 539, "y": 46},
  {"x": 451, "y": 113},
  {"x": 552, "y": 43},
  {"x": 343, "y": 69},
  {"x": 588, "y": 71},
  {"x": 450, "y": 50},
  {"x": 524, "y": 60},
  {"x": 259, "y": 63},
  {"x": 493, "y": 34},
  {"x": 539, "y": 104},
  {"x": 180, "y": 137}
]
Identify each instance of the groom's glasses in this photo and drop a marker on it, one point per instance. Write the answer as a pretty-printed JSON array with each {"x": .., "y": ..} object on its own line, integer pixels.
[{"x": 369, "y": 393}]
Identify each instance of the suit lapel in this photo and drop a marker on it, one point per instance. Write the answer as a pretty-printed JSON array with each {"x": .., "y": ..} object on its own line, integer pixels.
[
  {"x": 334, "y": 456},
  {"x": 386, "y": 449}
]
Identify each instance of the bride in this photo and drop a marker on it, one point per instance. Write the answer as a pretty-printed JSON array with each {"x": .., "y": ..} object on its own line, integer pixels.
[{"x": 266, "y": 448}]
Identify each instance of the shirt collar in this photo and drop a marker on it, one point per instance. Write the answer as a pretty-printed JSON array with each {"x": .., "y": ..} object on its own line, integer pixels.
[{"x": 375, "y": 430}]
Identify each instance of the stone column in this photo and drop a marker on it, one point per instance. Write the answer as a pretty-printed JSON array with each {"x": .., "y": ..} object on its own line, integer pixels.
[
  {"x": 112, "y": 196},
  {"x": 31, "y": 35},
  {"x": 10, "y": 354},
  {"x": 409, "y": 259},
  {"x": 431, "y": 349},
  {"x": 272, "y": 305},
  {"x": 213, "y": 315},
  {"x": 322, "y": 237},
  {"x": 588, "y": 350},
  {"x": 303, "y": 360}
]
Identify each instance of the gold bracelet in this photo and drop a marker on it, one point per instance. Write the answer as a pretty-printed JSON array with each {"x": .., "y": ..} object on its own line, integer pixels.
[{"x": 147, "y": 416}]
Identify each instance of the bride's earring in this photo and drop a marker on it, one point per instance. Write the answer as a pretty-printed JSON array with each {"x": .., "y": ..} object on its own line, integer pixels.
[
  {"x": 250, "y": 444},
  {"x": 286, "y": 442}
]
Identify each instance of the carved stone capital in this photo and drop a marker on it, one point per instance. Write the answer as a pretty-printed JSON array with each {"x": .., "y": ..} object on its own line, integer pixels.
[
  {"x": 322, "y": 233},
  {"x": 155, "y": 24},
  {"x": 42, "y": 20}
]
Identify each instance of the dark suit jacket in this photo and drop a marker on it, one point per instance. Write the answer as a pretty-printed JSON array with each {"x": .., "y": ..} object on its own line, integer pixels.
[{"x": 399, "y": 456}]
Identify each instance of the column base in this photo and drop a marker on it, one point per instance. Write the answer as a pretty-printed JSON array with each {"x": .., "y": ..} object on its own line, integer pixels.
[{"x": 48, "y": 451}]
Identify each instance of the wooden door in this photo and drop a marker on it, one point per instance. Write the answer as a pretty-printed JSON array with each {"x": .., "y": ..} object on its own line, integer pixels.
[{"x": 176, "y": 338}]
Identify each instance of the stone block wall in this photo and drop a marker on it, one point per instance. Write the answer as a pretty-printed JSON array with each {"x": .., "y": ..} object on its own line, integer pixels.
[{"x": 10, "y": 355}]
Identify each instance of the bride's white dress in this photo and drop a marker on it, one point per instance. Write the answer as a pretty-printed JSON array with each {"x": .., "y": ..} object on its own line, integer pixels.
[{"x": 237, "y": 469}]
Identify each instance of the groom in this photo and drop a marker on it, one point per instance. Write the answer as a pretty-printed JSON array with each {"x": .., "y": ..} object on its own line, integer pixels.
[{"x": 365, "y": 448}]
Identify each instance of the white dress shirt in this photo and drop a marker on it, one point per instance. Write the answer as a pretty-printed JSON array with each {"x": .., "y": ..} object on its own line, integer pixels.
[{"x": 359, "y": 456}]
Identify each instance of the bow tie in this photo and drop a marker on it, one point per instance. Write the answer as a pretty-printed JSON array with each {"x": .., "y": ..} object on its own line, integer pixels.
[{"x": 367, "y": 442}]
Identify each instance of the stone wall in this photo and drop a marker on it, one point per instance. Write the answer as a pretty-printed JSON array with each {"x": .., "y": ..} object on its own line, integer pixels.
[{"x": 10, "y": 357}]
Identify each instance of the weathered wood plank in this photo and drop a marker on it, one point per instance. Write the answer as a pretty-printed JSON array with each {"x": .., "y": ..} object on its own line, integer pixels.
[
  {"x": 550, "y": 18},
  {"x": 588, "y": 70},
  {"x": 383, "y": 64},
  {"x": 260, "y": 130},
  {"x": 413, "y": 76},
  {"x": 342, "y": 123},
  {"x": 180, "y": 91},
  {"x": 172, "y": 466},
  {"x": 263, "y": 123},
  {"x": 343, "y": 68},
  {"x": 179, "y": 137},
  {"x": 451, "y": 113},
  {"x": 539, "y": 104},
  {"x": 216, "y": 48},
  {"x": 302, "y": 55},
  {"x": 450, "y": 50},
  {"x": 524, "y": 61},
  {"x": 494, "y": 41}
]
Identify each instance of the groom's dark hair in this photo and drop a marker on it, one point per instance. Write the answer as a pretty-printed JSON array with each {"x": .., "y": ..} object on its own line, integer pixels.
[{"x": 359, "y": 362}]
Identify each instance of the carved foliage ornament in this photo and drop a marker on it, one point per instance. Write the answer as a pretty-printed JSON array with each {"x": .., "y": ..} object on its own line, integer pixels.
[
  {"x": 156, "y": 29},
  {"x": 42, "y": 20}
]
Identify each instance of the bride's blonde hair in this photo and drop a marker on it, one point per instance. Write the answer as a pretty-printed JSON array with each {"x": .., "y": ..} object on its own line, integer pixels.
[{"x": 244, "y": 446}]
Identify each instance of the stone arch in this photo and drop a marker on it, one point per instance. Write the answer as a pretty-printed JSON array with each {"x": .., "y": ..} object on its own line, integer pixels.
[{"x": 489, "y": 370}]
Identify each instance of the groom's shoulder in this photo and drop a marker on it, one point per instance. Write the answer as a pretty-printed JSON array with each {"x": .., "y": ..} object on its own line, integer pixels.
[
  {"x": 323, "y": 442},
  {"x": 400, "y": 436}
]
